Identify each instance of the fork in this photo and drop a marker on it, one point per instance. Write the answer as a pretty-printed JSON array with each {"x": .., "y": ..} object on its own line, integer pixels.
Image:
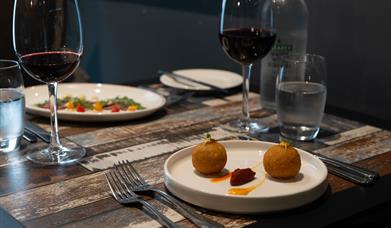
[
  {"x": 138, "y": 184},
  {"x": 125, "y": 196}
]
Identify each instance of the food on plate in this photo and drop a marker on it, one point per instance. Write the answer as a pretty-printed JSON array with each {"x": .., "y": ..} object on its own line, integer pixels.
[
  {"x": 282, "y": 161},
  {"x": 242, "y": 176},
  {"x": 248, "y": 189},
  {"x": 81, "y": 104},
  {"x": 221, "y": 178},
  {"x": 209, "y": 157}
]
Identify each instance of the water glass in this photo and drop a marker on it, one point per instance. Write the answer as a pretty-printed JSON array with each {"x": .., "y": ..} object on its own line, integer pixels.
[
  {"x": 301, "y": 96},
  {"x": 11, "y": 105}
]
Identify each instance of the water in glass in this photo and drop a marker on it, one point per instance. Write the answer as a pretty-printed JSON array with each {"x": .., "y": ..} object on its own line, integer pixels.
[
  {"x": 300, "y": 108},
  {"x": 11, "y": 119}
]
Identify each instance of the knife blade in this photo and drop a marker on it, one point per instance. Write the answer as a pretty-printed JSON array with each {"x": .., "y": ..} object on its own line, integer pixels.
[
  {"x": 213, "y": 87},
  {"x": 37, "y": 131}
]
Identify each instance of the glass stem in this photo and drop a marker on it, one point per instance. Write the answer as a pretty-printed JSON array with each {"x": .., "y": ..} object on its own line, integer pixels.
[
  {"x": 246, "y": 71},
  {"x": 55, "y": 139}
]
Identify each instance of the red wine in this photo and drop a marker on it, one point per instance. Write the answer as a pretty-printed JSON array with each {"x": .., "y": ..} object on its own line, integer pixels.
[
  {"x": 245, "y": 45},
  {"x": 50, "y": 66}
]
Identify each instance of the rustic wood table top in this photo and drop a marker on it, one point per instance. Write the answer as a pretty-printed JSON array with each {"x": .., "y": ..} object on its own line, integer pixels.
[{"x": 78, "y": 195}]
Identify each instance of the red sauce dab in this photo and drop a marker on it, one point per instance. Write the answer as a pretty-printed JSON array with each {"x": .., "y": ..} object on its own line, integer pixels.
[{"x": 242, "y": 176}]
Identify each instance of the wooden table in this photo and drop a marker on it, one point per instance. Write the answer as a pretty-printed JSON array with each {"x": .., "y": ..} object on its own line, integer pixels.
[{"x": 78, "y": 196}]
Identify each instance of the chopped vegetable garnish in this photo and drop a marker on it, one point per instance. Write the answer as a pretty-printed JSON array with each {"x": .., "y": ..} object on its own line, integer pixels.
[{"x": 81, "y": 104}]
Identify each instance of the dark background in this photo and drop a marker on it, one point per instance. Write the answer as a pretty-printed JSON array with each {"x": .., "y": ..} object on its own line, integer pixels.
[{"x": 126, "y": 41}]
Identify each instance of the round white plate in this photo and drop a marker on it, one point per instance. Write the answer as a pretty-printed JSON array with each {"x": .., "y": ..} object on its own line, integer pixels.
[
  {"x": 272, "y": 195},
  {"x": 220, "y": 78},
  {"x": 38, "y": 94}
]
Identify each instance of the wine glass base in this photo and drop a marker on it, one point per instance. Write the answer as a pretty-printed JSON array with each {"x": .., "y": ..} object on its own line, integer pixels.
[
  {"x": 252, "y": 126},
  {"x": 56, "y": 156}
]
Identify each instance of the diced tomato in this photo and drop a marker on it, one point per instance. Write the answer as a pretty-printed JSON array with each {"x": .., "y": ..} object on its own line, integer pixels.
[
  {"x": 80, "y": 108},
  {"x": 115, "y": 108}
]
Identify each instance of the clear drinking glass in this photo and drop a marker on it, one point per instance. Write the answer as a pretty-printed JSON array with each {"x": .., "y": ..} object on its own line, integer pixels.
[
  {"x": 47, "y": 38},
  {"x": 11, "y": 105},
  {"x": 301, "y": 96},
  {"x": 247, "y": 34}
]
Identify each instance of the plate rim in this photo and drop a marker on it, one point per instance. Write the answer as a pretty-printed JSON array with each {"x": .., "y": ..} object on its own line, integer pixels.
[
  {"x": 106, "y": 116},
  {"x": 199, "y": 89}
]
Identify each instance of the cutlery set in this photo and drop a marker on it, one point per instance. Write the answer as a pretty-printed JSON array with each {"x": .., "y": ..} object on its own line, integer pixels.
[
  {"x": 125, "y": 184},
  {"x": 187, "y": 81}
]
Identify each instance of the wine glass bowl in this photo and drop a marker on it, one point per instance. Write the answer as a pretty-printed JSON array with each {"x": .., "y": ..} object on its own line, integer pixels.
[
  {"x": 48, "y": 41},
  {"x": 247, "y": 34}
]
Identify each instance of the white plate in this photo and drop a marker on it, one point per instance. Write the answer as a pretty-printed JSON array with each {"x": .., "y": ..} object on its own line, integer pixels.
[
  {"x": 38, "y": 94},
  {"x": 220, "y": 78},
  {"x": 272, "y": 195}
]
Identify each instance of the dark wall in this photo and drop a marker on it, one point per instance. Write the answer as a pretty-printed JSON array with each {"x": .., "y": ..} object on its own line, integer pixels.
[
  {"x": 355, "y": 38},
  {"x": 128, "y": 40},
  {"x": 6, "y": 50}
]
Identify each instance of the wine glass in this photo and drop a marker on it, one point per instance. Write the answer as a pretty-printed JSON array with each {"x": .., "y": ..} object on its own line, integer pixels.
[
  {"x": 247, "y": 33},
  {"x": 48, "y": 41}
]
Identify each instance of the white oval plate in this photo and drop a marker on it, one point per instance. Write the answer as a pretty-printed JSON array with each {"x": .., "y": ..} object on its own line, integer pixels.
[
  {"x": 272, "y": 195},
  {"x": 220, "y": 78},
  {"x": 38, "y": 94}
]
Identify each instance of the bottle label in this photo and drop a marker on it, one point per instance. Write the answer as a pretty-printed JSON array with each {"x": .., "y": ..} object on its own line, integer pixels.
[{"x": 279, "y": 49}]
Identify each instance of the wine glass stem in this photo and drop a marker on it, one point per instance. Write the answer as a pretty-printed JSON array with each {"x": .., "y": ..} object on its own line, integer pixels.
[
  {"x": 55, "y": 139},
  {"x": 246, "y": 71}
]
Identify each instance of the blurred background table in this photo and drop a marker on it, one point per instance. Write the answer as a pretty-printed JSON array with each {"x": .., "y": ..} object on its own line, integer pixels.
[
  {"x": 128, "y": 41},
  {"x": 78, "y": 195}
]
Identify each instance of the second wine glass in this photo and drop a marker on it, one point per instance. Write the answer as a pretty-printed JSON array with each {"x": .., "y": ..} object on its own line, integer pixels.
[
  {"x": 47, "y": 39},
  {"x": 247, "y": 33}
]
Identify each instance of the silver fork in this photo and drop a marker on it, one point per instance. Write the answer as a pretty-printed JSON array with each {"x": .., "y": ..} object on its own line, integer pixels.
[
  {"x": 125, "y": 196},
  {"x": 138, "y": 184}
]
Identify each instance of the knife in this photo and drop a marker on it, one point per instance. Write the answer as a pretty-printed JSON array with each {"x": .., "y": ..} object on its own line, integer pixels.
[
  {"x": 29, "y": 137},
  {"x": 38, "y": 131},
  {"x": 175, "y": 75}
]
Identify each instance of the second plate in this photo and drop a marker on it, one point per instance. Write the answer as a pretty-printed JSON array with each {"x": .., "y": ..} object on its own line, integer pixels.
[
  {"x": 220, "y": 78},
  {"x": 38, "y": 94}
]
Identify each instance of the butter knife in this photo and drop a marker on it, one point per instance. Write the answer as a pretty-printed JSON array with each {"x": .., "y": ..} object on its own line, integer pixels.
[
  {"x": 37, "y": 131},
  {"x": 175, "y": 75}
]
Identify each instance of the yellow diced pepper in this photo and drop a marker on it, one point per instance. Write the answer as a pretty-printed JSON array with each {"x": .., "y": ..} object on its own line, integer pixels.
[
  {"x": 98, "y": 106},
  {"x": 69, "y": 105},
  {"x": 132, "y": 108}
]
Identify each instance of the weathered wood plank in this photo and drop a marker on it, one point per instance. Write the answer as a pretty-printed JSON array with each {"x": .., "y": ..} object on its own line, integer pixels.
[
  {"x": 23, "y": 176},
  {"x": 170, "y": 122},
  {"x": 44, "y": 200},
  {"x": 349, "y": 135},
  {"x": 150, "y": 149},
  {"x": 360, "y": 148}
]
